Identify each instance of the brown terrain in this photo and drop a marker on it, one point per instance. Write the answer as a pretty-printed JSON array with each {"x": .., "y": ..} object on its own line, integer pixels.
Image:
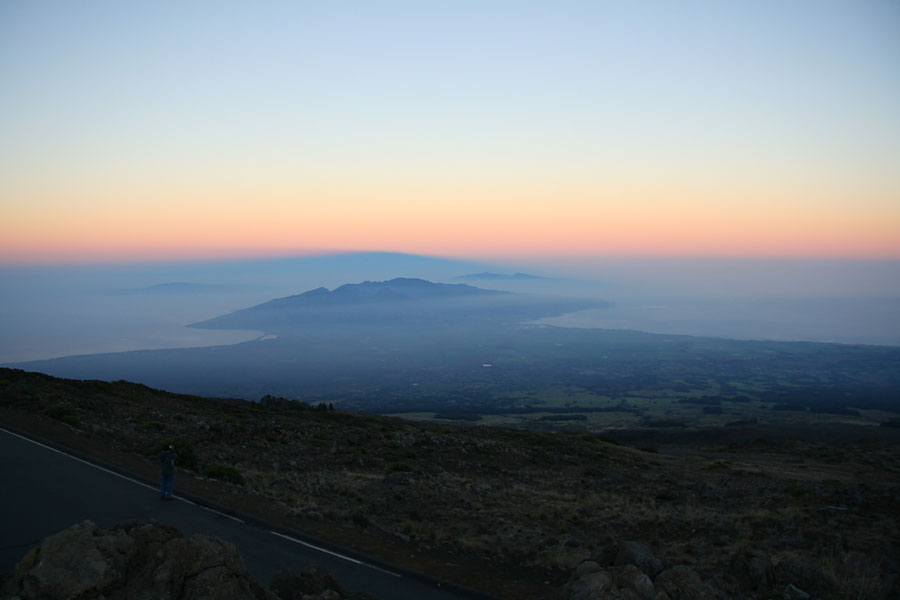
[{"x": 516, "y": 514}]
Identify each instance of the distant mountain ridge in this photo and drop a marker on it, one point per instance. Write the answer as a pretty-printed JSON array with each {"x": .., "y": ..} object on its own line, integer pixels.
[
  {"x": 403, "y": 301},
  {"x": 367, "y": 292},
  {"x": 368, "y": 303}
]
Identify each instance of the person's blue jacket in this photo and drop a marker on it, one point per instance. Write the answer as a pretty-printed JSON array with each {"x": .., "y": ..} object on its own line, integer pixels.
[{"x": 167, "y": 461}]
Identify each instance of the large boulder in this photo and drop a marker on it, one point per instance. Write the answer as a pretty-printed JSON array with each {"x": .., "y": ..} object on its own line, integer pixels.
[
  {"x": 754, "y": 570},
  {"x": 590, "y": 581},
  {"x": 313, "y": 583},
  {"x": 73, "y": 562},
  {"x": 590, "y": 586},
  {"x": 799, "y": 572},
  {"x": 632, "y": 578},
  {"x": 135, "y": 560},
  {"x": 683, "y": 583},
  {"x": 639, "y": 555}
]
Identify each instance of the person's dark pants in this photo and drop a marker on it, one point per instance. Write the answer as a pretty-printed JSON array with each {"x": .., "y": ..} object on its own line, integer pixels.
[{"x": 165, "y": 489}]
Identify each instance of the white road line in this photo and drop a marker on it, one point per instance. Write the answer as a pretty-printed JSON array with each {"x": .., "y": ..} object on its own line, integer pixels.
[
  {"x": 212, "y": 510},
  {"x": 335, "y": 554},
  {"x": 125, "y": 477}
]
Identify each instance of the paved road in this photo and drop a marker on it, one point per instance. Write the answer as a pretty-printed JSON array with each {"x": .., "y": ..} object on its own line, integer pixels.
[{"x": 45, "y": 491}]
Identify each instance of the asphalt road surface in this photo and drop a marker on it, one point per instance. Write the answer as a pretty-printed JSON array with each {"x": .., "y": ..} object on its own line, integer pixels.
[{"x": 46, "y": 491}]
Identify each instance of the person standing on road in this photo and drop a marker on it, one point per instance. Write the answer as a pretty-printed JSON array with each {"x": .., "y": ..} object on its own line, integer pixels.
[{"x": 167, "y": 465}]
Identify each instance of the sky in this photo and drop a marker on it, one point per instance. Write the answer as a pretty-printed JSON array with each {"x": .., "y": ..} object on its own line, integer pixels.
[{"x": 174, "y": 130}]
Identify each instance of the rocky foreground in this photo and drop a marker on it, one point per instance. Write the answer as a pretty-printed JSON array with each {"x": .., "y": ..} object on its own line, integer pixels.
[
  {"x": 146, "y": 559},
  {"x": 518, "y": 514},
  {"x": 142, "y": 559}
]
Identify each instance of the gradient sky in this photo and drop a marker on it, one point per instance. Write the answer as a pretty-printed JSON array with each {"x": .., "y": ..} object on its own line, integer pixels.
[{"x": 148, "y": 130}]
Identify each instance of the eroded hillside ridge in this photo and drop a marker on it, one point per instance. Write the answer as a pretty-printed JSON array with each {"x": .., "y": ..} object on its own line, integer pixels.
[{"x": 754, "y": 518}]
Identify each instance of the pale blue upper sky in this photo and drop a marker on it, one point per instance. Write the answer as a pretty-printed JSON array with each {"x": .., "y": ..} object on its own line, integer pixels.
[{"x": 784, "y": 91}]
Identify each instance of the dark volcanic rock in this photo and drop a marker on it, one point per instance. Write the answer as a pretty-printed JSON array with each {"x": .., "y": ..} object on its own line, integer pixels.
[
  {"x": 590, "y": 585},
  {"x": 637, "y": 554},
  {"x": 754, "y": 570},
  {"x": 605, "y": 555},
  {"x": 803, "y": 574},
  {"x": 682, "y": 583},
  {"x": 313, "y": 582},
  {"x": 135, "y": 560},
  {"x": 291, "y": 585}
]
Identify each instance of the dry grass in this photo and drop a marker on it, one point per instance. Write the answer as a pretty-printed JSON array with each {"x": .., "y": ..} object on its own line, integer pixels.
[{"x": 534, "y": 499}]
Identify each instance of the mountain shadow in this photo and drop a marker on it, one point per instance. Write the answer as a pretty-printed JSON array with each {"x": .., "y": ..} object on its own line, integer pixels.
[{"x": 487, "y": 275}]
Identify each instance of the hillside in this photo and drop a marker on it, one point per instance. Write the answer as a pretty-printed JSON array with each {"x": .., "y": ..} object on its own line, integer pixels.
[
  {"x": 513, "y": 512},
  {"x": 397, "y": 302}
]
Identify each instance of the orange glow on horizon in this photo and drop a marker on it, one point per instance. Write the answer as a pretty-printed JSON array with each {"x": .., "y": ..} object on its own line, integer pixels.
[{"x": 477, "y": 220}]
